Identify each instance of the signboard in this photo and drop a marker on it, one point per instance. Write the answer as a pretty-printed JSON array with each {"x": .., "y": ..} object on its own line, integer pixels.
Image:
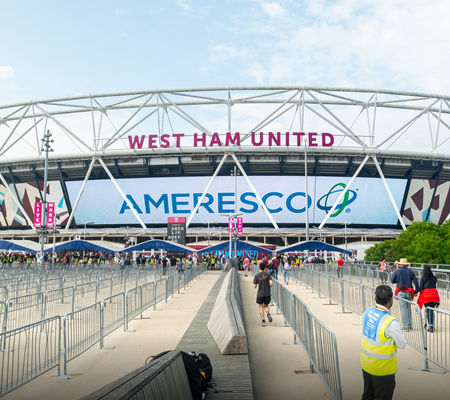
[
  {"x": 37, "y": 220},
  {"x": 50, "y": 215},
  {"x": 240, "y": 226},
  {"x": 155, "y": 199},
  {"x": 230, "y": 226},
  {"x": 272, "y": 139},
  {"x": 176, "y": 229}
]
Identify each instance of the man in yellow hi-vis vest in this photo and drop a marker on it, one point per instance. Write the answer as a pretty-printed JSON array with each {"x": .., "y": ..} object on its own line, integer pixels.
[{"x": 381, "y": 336}]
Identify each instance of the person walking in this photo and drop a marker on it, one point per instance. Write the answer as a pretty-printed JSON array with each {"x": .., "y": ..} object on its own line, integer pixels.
[
  {"x": 179, "y": 266},
  {"x": 276, "y": 264},
  {"x": 429, "y": 295},
  {"x": 286, "y": 268},
  {"x": 404, "y": 278},
  {"x": 340, "y": 267},
  {"x": 384, "y": 269},
  {"x": 246, "y": 265},
  {"x": 263, "y": 281},
  {"x": 381, "y": 336}
]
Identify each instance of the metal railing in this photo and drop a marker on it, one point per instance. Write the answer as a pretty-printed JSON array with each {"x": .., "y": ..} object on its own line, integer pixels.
[
  {"x": 357, "y": 297},
  {"x": 39, "y": 346},
  {"x": 438, "y": 341},
  {"x": 318, "y": 341},
  {"x": 81, "y": 330},
  {"x": 29, "y": 352}
]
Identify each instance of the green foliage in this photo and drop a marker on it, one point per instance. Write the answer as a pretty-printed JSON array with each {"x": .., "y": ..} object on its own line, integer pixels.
[{"x": 422, "y": 242}]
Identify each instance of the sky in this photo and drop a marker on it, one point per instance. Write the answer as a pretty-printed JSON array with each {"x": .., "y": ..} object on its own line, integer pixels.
[{"x": 59, "y": 48}]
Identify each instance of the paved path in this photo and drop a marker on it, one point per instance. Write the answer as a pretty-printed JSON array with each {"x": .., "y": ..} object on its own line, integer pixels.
[
  {"x": 281, "y": 371},
  {"x": 410, "y": 384},
  {"x": 156, "y": 332}
]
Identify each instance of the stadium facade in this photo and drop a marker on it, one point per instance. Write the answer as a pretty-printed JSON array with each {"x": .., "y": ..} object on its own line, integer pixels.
[{"x": 124, "y": 162}]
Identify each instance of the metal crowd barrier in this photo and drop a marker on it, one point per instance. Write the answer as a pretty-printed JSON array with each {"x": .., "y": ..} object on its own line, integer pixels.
[
  {"x": 439, "y": 341},
  {"x": 38, "y": 347},
  {"x": 29, "y": 352},
  {"x": 318, "y": 341},
  {"x": 81, "y": 330},
  {"x": 113, "y": 315},
  {"x": 357, "y": 297}
]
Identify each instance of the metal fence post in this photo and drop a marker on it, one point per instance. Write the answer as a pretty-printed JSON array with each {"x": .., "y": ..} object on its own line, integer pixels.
[
  {"x": 310, "y": 347},
  {"x": 167, "y": 286}
]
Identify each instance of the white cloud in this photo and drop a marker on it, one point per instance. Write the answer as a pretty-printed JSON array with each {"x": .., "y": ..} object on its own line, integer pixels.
[
  {"x": 363, "y": 43},
  {"x": 222, "y": 52},
  {"x": 6, "y": 72},
  {"x": 273, "y": 9},
  {"x": 184, "y": 5}
]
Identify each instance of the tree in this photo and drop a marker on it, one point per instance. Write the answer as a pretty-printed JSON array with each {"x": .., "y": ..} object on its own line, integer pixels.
[{"x": 422, "y": 242}]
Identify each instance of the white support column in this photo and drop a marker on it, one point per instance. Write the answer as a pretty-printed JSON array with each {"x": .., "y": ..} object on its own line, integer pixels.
[
  {"x": 389, "y": 193},
  {"x": 197, "y": 206},
  {"x": 122, "y": 193},
  {"x": 16, "y": 200},
  {"x": 347, "y": 187},
  {"x": 254, "y": 191},
  {"x": 86, "y": 178}
]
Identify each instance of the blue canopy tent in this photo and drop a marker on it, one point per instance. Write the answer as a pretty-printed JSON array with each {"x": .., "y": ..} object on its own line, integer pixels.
[
  {"x": 104, "y": 246},
  {"x": 158, "y": 244},
  {"x": 20, "y": 245},
  {"x": 240, "y": 245},
  {"x": 312, "y": 245}
]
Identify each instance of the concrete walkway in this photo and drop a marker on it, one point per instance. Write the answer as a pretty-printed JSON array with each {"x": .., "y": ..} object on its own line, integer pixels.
[
  {"x": 281, "y": 371},
  {"x": 285, "y": 384},
  {"x": 156, "y": 332}
]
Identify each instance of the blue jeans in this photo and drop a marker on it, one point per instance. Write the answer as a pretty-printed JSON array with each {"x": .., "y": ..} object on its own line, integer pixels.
[
  {"x": 430, "y": 313},
  {"x": 286, "y": 276},
  {"x": 405, "y": 309}
]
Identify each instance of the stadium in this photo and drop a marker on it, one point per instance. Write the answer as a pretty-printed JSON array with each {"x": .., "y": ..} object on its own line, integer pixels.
[{"x": 121, "y": 164}]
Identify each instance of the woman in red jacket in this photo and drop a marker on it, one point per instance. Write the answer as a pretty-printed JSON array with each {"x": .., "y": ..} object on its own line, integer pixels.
[{"x": 429, "y": 295}]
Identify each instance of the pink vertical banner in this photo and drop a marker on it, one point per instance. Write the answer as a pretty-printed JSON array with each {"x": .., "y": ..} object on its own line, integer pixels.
[
  {"x": 230, "y": 226},
  {"x": 50, "y": 215},
  {"x": 37, "y": 220},
  {"x": 240, "y": 226}
]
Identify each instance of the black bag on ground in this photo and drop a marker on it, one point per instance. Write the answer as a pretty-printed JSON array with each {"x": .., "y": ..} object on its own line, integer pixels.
[
  {"x": 204, "y": 364},
  {"x": 196, "y": 380}
]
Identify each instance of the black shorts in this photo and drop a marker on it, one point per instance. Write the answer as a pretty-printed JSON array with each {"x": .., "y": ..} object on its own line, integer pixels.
[{"x": 263, "y": 300}]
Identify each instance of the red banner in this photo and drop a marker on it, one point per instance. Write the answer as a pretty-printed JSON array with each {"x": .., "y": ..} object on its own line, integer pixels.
[
  {"x": 50, "y": 215},
  {"x": 231, "y": 226},
  {"x": 240, "y": 226},
  {"x": 37, "y": 220},
  {"x": 176, "y": 220}
]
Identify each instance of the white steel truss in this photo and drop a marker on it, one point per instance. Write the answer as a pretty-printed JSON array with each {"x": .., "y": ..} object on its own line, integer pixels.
[{"x": 365, "y": 122}]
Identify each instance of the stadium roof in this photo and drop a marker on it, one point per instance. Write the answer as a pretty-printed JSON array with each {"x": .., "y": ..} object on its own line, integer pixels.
[{"x": 352, "y": 132}]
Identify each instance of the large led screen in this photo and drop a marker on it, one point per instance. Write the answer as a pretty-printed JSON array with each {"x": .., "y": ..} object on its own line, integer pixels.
[{"x": 155, "y": 199}]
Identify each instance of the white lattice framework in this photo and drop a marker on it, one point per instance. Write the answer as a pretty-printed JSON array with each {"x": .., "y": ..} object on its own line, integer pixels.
[{"x": 365, "y": 122}]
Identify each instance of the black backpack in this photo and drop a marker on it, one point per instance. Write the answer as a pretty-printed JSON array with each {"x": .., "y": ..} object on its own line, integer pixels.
[{"x": 205, "y": 366}]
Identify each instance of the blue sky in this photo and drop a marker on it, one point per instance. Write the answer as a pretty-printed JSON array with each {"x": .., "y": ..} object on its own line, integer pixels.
[{"x": 61, "y": 48}]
